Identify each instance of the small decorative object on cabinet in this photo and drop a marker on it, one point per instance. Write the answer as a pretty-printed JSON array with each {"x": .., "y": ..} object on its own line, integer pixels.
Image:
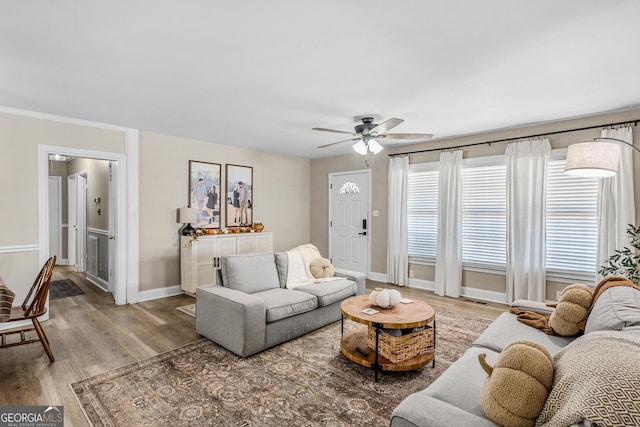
[{"x": 200, "y": 258}]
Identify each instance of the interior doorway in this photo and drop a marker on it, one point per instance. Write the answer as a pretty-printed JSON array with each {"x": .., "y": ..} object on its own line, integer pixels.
[{"x": 114, "y": 280}]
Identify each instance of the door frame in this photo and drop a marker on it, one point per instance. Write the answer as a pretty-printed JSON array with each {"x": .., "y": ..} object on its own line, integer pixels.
[
  {"x": 72, "y": 219},
  {"x": 331, "y": 175},
  {"x": 126, "y": 271},
  {"x": 58, "y": 231},
  {"x": 81, "y": 220}
]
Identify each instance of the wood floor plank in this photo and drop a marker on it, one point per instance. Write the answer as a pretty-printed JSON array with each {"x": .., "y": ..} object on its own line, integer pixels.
[{"x": 90, "y": 335}]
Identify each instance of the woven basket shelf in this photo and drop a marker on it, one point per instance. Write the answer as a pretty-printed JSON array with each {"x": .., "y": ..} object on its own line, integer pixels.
[{"x": 403, "y": 347}]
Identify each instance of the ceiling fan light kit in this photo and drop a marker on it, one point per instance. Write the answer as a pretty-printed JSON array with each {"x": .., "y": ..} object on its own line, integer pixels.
[
  {"x": 366, "y": 132},
  {"x": 360, "y": 147},
  {"x": 364, "y": 146},
  {"x": 374, "y": 146}
]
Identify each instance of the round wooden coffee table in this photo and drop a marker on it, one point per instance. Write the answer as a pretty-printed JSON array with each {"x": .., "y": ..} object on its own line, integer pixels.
[{"x": 354, "y": 344}]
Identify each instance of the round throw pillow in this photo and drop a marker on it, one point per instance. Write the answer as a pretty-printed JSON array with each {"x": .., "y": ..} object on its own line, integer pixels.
[
  {"x": 571, "y": 310},
  {"x": 321, "y": 268},
  {"x": 518, "y": 384}
]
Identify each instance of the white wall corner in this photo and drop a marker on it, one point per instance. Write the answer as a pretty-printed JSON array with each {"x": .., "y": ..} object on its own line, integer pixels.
[{"x": 132, "y": 221}]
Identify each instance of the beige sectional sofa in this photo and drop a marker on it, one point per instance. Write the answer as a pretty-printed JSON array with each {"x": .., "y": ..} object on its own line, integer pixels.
[{"x": 454, "y": 398}]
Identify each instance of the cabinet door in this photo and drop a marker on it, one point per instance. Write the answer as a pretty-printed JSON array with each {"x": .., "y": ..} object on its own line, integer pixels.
[
  {"x": 264, "y": 242},
  {"x": 225, "y": 246},
  {"x": 246, "y": 244},
  {"x": 204, "y": 248}
]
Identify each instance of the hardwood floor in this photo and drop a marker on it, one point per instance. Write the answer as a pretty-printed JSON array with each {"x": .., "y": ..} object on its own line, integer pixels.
[{"x": 89, "y": 335}]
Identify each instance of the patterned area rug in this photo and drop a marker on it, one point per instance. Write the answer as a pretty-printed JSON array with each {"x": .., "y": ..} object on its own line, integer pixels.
[
  {"x": 188, "y": 309},
  {"x": 306, "y": 381},
  {"x": 64, "y": 288}
]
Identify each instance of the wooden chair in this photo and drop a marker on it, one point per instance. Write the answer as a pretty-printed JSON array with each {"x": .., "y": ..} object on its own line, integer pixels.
[{"x": 34, "y": 306}]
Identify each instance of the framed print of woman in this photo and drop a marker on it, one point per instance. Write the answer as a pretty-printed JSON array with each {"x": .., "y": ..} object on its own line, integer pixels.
[{"x": 204, "y": 193}]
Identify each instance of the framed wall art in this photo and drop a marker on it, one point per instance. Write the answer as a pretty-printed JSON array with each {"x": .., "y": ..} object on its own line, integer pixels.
[
  {"x": 239, "y": 196},
  {"x": 204, "y": 193}
]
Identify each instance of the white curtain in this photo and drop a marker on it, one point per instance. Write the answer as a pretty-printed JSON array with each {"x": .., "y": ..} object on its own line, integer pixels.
[
  {"x": 448, "y": 277},
  {"x": 616, "y": 203},
  {"x": 397, "y": 246},
  {"x": 526, "y": 225}
]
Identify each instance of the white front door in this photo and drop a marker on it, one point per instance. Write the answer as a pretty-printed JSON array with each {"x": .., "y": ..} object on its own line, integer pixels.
[{"x": 349, "y": 231}]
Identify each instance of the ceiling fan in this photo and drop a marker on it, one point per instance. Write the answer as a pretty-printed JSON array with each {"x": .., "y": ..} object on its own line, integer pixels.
[{"x": 367, "y": 134}]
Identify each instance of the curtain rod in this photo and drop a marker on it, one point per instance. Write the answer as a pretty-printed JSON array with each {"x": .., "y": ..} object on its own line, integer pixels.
[{"x": 635, "y": 123}]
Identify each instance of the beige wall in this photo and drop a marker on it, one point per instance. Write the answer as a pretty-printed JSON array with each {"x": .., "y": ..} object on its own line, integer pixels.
[
  {"x": 321, "y": 167},
  {"x": 19, "y": 140},
  {"x": 281, "y": 195},
  {"x": 281, "y": 198}
]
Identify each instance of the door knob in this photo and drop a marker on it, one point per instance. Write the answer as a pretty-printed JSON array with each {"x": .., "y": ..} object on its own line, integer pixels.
[
  {"x": 364, "y": 233},
  {"x": 112, "y": 237}
]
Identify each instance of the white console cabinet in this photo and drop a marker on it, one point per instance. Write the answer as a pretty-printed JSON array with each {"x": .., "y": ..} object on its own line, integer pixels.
[{"x": 200, "y": 259}]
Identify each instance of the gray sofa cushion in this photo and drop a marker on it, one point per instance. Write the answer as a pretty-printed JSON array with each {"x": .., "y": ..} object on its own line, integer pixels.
[
  {"x": 330, "y": 291},
  {"x": 615, "y": 309},
  {"x": 283, "y": 303},
  {"x": 282, "y": 264},
  {"x": 250, "y": 273},
  {"x": 453, "y": 399},
  {"x": 507, "y": 328}
]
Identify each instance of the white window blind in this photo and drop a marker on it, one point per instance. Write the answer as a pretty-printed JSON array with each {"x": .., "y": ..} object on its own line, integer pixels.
[
  {"x": 572, "y": 228},
  {"x": 484, "y": 222},
  {"x": 422, "y": 211}
]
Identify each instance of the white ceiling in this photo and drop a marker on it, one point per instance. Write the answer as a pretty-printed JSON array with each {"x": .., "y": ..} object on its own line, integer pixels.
[{"x": 260, "y": 74}]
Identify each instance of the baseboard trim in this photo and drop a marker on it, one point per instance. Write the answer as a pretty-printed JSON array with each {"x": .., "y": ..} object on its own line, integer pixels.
[
  {"x": 378, "y": 277},
  {"x": 484, "y": 295},
  {"x": 427, "y": 285},
  {"x": 479, "y": 294},
  {"x": 158, "y": 293},
  {"x": 101, "y": 283}
]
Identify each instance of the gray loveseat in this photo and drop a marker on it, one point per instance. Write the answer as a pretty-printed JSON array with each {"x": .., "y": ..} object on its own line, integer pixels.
[
  {"x": 253, "y": 310},
  {"x": 454, "y": 398}
]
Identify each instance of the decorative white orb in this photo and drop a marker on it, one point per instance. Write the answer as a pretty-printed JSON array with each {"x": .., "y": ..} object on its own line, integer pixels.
[
  {"x": 383, "y": 298},
  {"x": 374, "y": 295},
  {"x": 394, "y": 297}
]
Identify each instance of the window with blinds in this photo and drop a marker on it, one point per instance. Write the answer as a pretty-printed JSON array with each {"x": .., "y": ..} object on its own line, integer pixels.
[
  {"x": 422, "y": 211},
  {"x": 484, "y": 221},
  {"x": 572, "y": 227},
  {"x": 571, "y": 217}
]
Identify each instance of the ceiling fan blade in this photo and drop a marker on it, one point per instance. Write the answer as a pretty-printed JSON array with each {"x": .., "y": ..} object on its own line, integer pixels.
[
  {"x": 425, "y": 136},
  {"x": 333, "y": 131},
  {"x": 339, "y": 142},
  {"x": 386, "y": 125}
]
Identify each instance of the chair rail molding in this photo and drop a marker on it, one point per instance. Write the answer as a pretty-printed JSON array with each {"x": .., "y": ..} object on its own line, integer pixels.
[{"x": 19, "y": 248}]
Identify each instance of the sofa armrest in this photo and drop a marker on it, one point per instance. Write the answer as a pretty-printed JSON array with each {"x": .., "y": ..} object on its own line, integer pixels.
[
  {"x": 420, "y": 410},
  {"x": 356, "y": 276},
  {"x": 231, "y": 318},
  {"x": 534, "y": 306}
]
